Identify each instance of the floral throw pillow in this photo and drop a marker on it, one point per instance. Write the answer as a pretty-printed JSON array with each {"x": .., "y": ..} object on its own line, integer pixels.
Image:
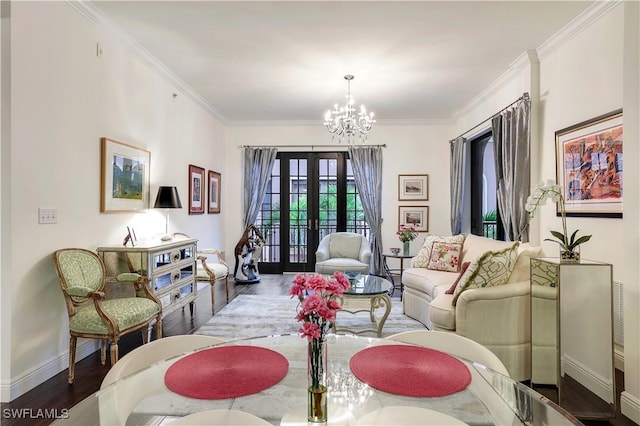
[
  {"x": 421, "y": 260},
  {"x": 463, "y": 268},
  {"x": 491, "y": 269},
  {"x": 445, "y": 256}
]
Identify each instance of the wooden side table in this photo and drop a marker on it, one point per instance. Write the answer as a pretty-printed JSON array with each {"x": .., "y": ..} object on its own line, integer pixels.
[{"x": 389, "y": 271}]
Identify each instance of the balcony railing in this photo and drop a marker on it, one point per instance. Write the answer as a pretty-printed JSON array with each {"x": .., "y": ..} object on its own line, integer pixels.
[{"x": 490, "y": 229}]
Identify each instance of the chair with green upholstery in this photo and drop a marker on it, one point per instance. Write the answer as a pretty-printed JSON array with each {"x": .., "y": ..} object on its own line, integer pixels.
[{"x": 82, "y": 278}]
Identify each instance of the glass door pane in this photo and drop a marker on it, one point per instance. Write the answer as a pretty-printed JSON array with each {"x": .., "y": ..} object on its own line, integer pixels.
[{"x": 298, "y": 211}]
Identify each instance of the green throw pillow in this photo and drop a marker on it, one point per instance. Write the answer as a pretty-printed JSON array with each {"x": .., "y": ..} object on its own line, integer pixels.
[{"x": 491, "y": 269}]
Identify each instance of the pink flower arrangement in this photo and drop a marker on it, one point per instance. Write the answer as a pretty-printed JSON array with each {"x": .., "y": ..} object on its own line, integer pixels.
[
  {"x": 318, "y": 302},
  {"x": 407, "y": 233}
]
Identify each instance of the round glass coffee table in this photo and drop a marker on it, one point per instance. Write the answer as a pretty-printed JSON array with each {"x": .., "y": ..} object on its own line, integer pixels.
[{"x": 367, "y": 293}]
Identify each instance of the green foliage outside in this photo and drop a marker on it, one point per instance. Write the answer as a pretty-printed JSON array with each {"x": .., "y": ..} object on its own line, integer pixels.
[
  {"x": 298, "y": 211},
  {"x": 492, "y": 217}
]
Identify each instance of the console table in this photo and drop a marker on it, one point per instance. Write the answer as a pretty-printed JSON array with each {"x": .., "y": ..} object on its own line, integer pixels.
[
  {"x": 572, "y": 335},
  {"x": 170, "y": 266}
]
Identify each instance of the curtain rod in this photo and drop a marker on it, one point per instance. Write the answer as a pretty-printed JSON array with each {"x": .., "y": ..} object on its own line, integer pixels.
[
  {"x": 384, "y": 145},
  {"x": 525, "y": 95}
]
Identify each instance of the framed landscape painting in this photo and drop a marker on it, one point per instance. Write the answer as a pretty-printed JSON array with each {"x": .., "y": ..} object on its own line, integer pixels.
[
  {"x": 413, "y": 187},
  {"x": 589, "y": 166},
  {"x": 124, "y": 177},
  {"x": 214, "y": 192},
  {"x": 196, "y": 189},
  {"x": 416, "y": 216}
]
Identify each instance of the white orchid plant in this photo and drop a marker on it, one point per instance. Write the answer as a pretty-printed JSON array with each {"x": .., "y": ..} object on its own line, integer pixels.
[{"x": 538, "y": 197}]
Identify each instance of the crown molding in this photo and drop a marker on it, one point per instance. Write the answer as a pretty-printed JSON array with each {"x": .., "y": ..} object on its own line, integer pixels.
[
  {"x": 88, "y": 10},
  {"x": 590, "y": 15},
  {"x": 317, "y": 123},
  {"x": 581, "y": 22}
]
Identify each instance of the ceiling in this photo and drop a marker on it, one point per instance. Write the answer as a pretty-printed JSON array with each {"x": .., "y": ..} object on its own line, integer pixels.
[{"x": 285, "y": 61}]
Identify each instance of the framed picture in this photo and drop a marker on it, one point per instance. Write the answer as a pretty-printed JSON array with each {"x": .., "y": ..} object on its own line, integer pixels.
[
  {"x": 124, "y": 177},
  {"x": 196, "y": 189},
  {"x": 214, "y": 192},
  {"x": 589, "y": 166},
  {"x": 418, "y": 216},
  {"x": 413, "y": 187}
]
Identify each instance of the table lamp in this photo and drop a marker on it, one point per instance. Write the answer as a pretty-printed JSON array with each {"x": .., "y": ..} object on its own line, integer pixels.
[{"x": 167, "y": 198}]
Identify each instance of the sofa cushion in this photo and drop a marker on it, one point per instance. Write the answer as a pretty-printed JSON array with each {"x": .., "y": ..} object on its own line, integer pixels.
[
  {"x": 445, "y": 256},
  {"x": 443, "y": 313},
  {"x": 521, "y": 271},
  {"x": 463, "y": 268},
  {"x": 345, "y": 245},
  {"x": 426, "y": 280},
  {"x": 491, "y": 269},
  {"x": 421, "y": 260},
  {"x": 475, "y": 246}
]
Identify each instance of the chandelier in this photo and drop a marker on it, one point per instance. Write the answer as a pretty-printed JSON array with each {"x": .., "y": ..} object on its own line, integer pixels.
[{"x": 345, "y": 123}]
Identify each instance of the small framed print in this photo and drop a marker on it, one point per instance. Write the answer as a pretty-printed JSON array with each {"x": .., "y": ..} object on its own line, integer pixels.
[
  {"x": 124, "y": 177},
  {"x": 214, "y": 192},
  {"x": 589, "y": 166},
  {"x": 196, "y": 189},
  {"x": 416, "y": 216},
  {"x": 413, "y": 187}
]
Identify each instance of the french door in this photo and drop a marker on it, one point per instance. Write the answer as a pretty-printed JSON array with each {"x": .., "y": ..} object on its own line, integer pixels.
[
  {"x": 312, "y": 194},
  {"x": 485, "y": 215}
]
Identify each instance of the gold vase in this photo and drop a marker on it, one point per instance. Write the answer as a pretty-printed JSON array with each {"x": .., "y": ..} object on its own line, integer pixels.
[{"x": 317, "y": 380}]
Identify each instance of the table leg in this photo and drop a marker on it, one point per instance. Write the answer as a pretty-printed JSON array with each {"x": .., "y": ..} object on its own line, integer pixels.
[{"x": 385, "y": 300}]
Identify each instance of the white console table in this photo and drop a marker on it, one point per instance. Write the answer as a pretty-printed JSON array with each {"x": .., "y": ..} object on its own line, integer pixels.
[{"x": 170, "y": 266}]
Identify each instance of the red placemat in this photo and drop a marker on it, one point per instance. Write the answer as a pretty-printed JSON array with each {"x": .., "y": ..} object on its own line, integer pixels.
[
  {"x": 226, "y": 372},
  {"x": 410, "y": 370}
]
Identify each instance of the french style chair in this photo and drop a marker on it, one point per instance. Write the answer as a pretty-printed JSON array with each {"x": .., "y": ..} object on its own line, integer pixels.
[
  {"x": 344, "y": 252},
  {"x": 82, "y": 279},
  {"x": 212, "y": 272}
]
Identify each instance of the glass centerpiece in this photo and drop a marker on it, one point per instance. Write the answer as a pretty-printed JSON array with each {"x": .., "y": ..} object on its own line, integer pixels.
[{"x": 317, "y": 311}]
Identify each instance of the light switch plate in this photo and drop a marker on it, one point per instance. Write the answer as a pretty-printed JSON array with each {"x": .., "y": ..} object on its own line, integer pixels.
[{"x": 47, "y": 215}]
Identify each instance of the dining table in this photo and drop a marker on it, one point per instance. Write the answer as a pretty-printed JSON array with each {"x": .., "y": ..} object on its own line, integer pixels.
[{"x": 267, "y": 377}]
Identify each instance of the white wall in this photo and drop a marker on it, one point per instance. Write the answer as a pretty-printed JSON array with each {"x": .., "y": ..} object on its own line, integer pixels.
[
  {"x": 411, "y": 149},
  {"x": 581, "y": 77},
  {"x": 64, "y": 99},
  {"x": 630, "y": 398}
]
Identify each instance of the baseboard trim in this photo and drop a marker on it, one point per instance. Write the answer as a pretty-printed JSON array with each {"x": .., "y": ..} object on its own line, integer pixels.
[
  {"x": 618, "y": 359},
  {"x": 38, "y": 375},
  {"x": 599, "y": 385},
  {"x": 630, "y": 406}
]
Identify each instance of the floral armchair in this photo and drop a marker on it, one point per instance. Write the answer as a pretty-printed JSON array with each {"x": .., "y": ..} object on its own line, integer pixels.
[{"x": 82, "y": 279}]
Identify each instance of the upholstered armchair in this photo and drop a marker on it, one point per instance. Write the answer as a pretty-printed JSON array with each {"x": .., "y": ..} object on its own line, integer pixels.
[
  {"x": 343, "y": 251},
  {"x": 82, "y": 279},
  {"x": 212, "y": 268}
]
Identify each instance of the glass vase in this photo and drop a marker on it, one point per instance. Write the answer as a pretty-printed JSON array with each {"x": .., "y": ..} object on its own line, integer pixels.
[
  {"x": 406, "y": 246},
  {"x": 567, "y": 256},
  {"x": 317, "y": 380}
]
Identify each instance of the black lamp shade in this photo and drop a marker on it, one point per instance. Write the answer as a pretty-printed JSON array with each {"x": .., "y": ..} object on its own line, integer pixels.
[{"x": 167, "y": 198}]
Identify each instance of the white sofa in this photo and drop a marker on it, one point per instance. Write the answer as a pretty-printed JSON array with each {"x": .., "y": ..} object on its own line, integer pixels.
[{"x": 496, "y": 317}]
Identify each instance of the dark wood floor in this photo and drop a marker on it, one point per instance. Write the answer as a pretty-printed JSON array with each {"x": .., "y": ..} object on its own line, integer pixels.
[{"x": 57, "y": 394}]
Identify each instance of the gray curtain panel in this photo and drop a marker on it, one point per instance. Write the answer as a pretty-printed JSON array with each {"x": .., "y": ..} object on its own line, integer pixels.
[
  {"x": 457, "y": 167},
  {"x": 367, "y": 170},
  {"x": 511, "y": 145},
  {"x": 258, "y": 162}
]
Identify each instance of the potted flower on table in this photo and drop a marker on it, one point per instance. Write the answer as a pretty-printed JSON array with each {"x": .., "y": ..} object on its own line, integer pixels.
[
  {"x": 568, "y": 244},
  {"x": 406, "y": 234}
]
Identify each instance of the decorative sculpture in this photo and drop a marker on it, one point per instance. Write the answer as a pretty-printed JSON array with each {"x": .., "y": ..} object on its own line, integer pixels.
[{"x": 247, "y": 252}]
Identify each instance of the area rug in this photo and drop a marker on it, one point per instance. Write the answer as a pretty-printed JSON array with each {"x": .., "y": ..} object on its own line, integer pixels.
[{"x": 265, "y": 315}]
